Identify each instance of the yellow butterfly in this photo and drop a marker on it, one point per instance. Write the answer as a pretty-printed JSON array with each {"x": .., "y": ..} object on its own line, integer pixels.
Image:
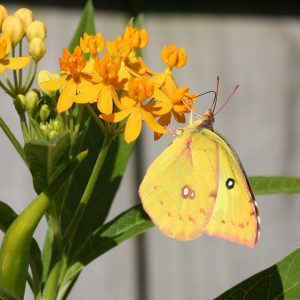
[{"x": 198, "y": 185}]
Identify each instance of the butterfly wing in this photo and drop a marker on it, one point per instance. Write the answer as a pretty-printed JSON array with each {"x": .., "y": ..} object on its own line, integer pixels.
[
  {"x": 179, "y": 189},
  {"x": 235, "y": 215}
]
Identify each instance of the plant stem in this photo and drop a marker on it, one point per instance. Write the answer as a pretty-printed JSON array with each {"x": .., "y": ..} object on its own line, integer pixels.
[
  {"x": 96, "y": 118},
  {"x": 51, "y": 286},
  {"x": 88, "y": 190},
  {"x": 13, "y": 140}
]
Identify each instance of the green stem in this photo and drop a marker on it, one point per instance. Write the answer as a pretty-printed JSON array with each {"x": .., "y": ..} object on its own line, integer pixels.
[
  {"x": 88, "y": 190},
  {"x": 20, "y": 71},
  {"x": 51, "y": 286},
  {"x": 28, "y": 76},
  {"x": 13, "y": 140},
  {"x": 96, "y": 118},
  {"x": 28, "y": 86},
  {"x": 9, "y": 90},
  {"x": 16, "y": 87}
]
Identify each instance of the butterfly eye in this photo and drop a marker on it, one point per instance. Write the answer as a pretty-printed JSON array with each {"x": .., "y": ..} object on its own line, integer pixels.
[{"x": 230, "y": 183}]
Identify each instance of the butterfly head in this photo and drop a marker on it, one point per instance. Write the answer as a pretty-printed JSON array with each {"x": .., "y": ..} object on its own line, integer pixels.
[{"x": 207, "y": 120}]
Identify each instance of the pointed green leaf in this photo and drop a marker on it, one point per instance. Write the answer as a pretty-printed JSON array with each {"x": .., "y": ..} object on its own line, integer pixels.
[
  {"x": 46, "y": 159},
  {"x": 127, "y": 225},
  {"x": 263, "y": 185},
  {"x": 281, "y": 281},
  {"x": 86, "y": 24},
  {"x": 7, "y": 216},
  {"x": 16, "y": 244},
  {"x": 106, "y": 187}
]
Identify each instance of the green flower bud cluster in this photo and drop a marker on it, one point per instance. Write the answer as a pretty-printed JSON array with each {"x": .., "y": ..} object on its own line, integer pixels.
[{"x": 53, "y": 128}]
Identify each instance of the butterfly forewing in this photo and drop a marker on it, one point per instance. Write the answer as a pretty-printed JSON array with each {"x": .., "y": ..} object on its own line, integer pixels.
[
  {"x": 179, "y": 189},
  {"x": 235, "y": 213}
]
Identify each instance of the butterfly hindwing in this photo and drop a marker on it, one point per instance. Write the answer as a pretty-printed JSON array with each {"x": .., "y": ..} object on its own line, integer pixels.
[
  {"x": 179, "y": 189},
  {"x": 235, "y": 213}
]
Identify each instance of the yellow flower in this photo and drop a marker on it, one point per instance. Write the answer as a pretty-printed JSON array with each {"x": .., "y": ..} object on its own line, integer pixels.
[
  {"x": 105, "y": 84},
  {"x": 92, "y": 44},
  {"x": 13, "y": 25},
  {"x": 26, "y": 16},
  {"x": 119, "y": 47},
  {"x": 72, "y": 82},
  {"x": 137, "y": 38},
  {"x": 36, "y": 48},
  {"x": 134, "y": 106},
  {"x": 36, "y": 29},
  {"x": 173, "y": 57},
  {"x": 3, "y": 15},
  {"x": 13, "y": 63}
]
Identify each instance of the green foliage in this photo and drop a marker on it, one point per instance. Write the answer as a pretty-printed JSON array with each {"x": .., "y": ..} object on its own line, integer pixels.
[
  {"x": 86, "y": 24},
  {"x": 264, "y": 185},
  {"x": 15, "y": 248},
  {"x": 281, "y": 281},
  {"x": 46, "y": 159}
]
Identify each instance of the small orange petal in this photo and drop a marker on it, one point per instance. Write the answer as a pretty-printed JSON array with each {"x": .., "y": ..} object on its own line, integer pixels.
[
  {"x": 65, "y": 99},
  {"x": 151, "y": 122},
  {"x": 16, "y": 63},
  {"x": 90, "y": 95},
  {"x": 116, "y": 117},
  {"x": 133, "y": 126},
  {"x": 55, "y": 84},
  {"x": 105, "y": 103}
]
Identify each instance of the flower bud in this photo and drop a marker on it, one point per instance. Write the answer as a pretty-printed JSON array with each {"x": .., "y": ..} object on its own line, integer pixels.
[
  {"x": 36, "y": 29},
  {"x": 20, "y": 104},
  {"x": 25, "y": 15},
  {"x": 36, "y": 48},
  {"x": 52, "y": 134},
  {"x": 45, "y": 75},
  {"x": 13, "y": 25},
  {"x": 3, "y": 15},
  {"x": 31, "y": 102},
  {"x": 44, "y": 112}
]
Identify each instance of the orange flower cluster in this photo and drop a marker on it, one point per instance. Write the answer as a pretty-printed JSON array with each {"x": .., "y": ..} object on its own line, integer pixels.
[{"x": 121, "y": 83}]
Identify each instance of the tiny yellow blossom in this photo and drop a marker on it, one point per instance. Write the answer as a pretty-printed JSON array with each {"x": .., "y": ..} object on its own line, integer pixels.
[
  {"x": 174, "y": 57},
  {"x": 36, "y": 48},
  {"x": 134, "y": 106},
  {"x": 13, "y": 63},
  {"x": 45, "y": 75},
  {"x": 92, "y": 44},
  {"x": 72, "y": 82},
  {"x": 119, "y": 47},
  {"x": 137, "y": 38},
  {"x": 26, "y": 17},
  {"x": 105, "y": 84},
  {"x": 13, "y": 25},
  {"x": 3, "y": 15},
  {"x": 36, "y": 29}
]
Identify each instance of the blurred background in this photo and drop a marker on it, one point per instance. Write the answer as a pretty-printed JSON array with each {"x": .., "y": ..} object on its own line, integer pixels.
[{"x": 255, "y": 46}]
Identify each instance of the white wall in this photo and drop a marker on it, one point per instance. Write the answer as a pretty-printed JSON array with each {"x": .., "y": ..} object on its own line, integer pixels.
[{"x": 261, "y": 122}]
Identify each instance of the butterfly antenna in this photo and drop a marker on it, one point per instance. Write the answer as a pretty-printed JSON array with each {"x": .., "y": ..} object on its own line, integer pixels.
[
  {"x": 232, "y": 93},
  {"x": 189, "y": 108},
  {"x": 213, "y": 106}
]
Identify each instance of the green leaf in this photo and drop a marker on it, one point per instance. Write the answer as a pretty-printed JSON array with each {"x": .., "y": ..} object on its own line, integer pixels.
[
  {"x": 281, "y": 281},
  {"x": 127, "y": 225},
  {"x": 86, "y": 24},
  {"x": 263, "y": 185},
  {"x": 7, "y": 216},
  {"x": 47, "y": 159},
  {"x": 16, "y": 244},
  {"x": 69, "y": 278},
  {"x": 106, "y": 187}
]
